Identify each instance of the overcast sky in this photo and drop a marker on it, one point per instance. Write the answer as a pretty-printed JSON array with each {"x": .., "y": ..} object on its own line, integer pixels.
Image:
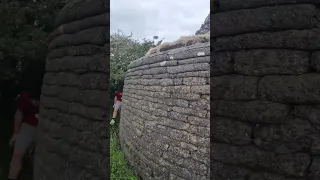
[{"x": 167, "y": 19}]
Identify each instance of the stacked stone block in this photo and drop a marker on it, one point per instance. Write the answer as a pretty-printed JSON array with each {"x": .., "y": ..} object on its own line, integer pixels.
[
  {"x": 73, "y": 139},
  {"x": 164, "y": 127},
  {"x": 265, "y": 93}
]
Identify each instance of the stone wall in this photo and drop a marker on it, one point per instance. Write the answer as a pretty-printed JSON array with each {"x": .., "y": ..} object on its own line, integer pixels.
[
  {"x": 265, "y": 94},
  {"x": 73, "y": 136},
  {"x": 164, "y": 127}
]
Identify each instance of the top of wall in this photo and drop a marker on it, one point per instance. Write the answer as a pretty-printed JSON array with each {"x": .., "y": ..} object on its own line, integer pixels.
[
  {"x": 227, "y": 5},
  {"x": 79, "y": 9},
  {"x": 81, "y": 22},
  {"x": 264, "y": 20},
  {"x": 193, "y": 46}
]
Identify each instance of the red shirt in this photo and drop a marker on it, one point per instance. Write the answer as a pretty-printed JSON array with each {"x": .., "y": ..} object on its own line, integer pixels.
[
  {"x": 28, "y": 110},
  {"x": 119, "y": 96}
]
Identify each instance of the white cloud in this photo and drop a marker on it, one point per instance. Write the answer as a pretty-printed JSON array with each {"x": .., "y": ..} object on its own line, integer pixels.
[{"x": 167, "y": 19}]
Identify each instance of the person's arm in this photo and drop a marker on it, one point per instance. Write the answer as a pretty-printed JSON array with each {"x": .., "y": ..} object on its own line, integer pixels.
[
  {"x": 115, "y": 100},
  {"x": 17, "y": 125},
  {"x": 17, "y": 121},
  {"x": 18, "y": 116}
]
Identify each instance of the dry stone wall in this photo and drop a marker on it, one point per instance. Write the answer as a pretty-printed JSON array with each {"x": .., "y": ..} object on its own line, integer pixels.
[
  {"x": 265, "y": 94},
  {"x": 164, "y": 127},
  {"x": 73, "y": 136}
]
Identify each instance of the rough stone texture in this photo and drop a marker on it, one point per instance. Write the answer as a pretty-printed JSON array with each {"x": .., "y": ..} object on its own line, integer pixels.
[
  {"x": 265, "y": 19},
  {"x": 227, "y": 5},
  {"x": 73, "y": 133},
  {"x": 265, "y": 81},
  {"x": 164, "y": 127},
  {"x": 205, "y": 27}
]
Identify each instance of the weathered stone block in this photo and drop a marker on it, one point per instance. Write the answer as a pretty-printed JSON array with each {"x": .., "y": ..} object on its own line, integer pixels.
[
  {"x": 201, "y": 59},
  {"x": 256, "y": 112},
  {"x": 199, "y": 49},
  {"x": 164, "y": 64},
  {"x": 230, "y": 131},
  {"x": 201, "y": 104},
  {"x": 302, "y": 89},
  {"x": 290, "y": 164},
  {"x": 189, "y": 111},
  {"x": 158, "y": 70},
  {"x": 188, "y": 97},
  {"x": 246, "y": 4},
  {"x": 234, "y": 87},
  {"x": 166, "y": 82},
  {"x": 177, "y": 89},
  {"x": 189, "y": 81},
  {"x": 188, "y": 67},
  {"x": 149, "y": 60},
  {"x": 93, "y": 81},
  {"x": 205, "y": 74},
  {"x": 310, "y": 113},
  {"x": 222, "y": 171},
  {"x": 264, "y": 19},
  {"x": 293, "y": 135},
  {"x": 264, "y": 62},
  {"x": 50, "y": 90},
  {"x": 80, "y": 50},
  {"x": 268, "y": 176},
  {"x": 315, "y": 61},
  {"x": 221, "y": 63},
  {"x": 95, "y": 36},
  {"x": 289, "y": 39},
  {"x": 314, "y": 170},
  {"x": 74, "y": 11}
]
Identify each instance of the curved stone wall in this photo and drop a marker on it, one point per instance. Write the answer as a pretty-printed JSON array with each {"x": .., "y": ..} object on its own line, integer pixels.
[
  {"x": 265, "y": 90},
  {"x": 73, "y": 136},
  {"x": 164, "y": 127}
]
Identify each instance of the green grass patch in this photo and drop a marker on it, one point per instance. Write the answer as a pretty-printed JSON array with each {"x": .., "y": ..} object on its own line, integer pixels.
[{"x": 118, "y": 163}]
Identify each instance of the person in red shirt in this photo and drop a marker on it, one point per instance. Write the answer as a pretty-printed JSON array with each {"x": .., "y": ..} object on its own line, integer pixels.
[
  {"x": 25, "y": 123},
  {"x": 116, "y": 105}
]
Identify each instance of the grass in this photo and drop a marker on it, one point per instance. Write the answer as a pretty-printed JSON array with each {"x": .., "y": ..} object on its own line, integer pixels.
[{"x": 118, "y": 163}]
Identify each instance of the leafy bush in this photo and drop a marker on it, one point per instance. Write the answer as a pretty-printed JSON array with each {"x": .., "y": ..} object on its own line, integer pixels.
[
  {"x": 124, "y": 49},
  {"x": 25, "y": 26}
]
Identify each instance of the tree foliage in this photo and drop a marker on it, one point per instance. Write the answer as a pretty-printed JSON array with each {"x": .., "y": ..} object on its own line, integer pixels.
[
  {"x": 124, "y": 49},
  {"x": 25, "y": 26}
]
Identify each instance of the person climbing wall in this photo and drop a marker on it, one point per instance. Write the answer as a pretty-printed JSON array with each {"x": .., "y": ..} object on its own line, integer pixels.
[
  {"x": 116, "y": 106},
  {"x": 25, "y": 123}
]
